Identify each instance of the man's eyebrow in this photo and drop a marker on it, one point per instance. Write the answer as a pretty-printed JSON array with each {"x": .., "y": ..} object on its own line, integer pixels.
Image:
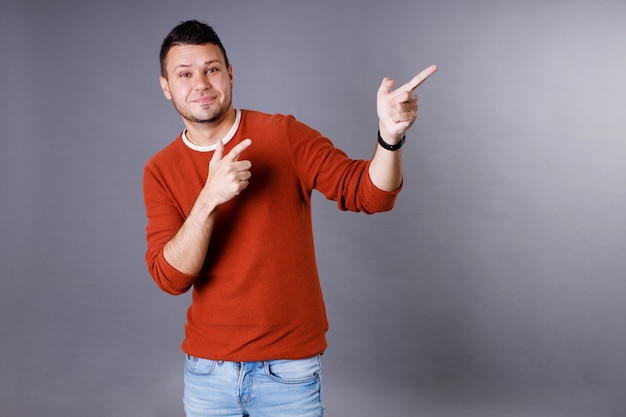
[{"x": 209, "y": 62}]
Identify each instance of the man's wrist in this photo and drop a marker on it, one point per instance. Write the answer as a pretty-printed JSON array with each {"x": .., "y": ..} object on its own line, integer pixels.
[
  {"x": 389, "y": 146},
  {"x": 203, "y": 208}
]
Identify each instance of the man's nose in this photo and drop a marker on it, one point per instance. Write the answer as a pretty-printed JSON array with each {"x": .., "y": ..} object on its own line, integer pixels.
[{"x": 202, "y": 82}]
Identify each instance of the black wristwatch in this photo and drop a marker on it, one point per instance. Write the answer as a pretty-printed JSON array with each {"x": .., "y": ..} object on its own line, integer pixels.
[{"x": 388, "y": 146}]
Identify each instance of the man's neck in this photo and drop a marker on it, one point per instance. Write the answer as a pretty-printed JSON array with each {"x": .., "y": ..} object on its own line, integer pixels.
[{"x": 207, "y": 134}]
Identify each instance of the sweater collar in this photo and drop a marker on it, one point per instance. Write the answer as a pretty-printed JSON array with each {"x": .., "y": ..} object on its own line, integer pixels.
[{"x": 225, "y": 139}]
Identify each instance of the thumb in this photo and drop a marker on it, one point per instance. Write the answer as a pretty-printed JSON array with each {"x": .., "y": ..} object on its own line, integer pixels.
[
  {"x": 386, "y": 85},
  {"x": 219, "y": 151}
]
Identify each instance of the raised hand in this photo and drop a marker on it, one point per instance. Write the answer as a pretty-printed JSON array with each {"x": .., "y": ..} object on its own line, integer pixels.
[
  {"x": 397, "y": 109},
  {"x": 228, "y": 176}
]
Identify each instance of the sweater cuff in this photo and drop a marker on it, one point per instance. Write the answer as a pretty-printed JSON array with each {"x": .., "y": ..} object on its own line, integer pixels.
[
  {"x": 174, "y": 281},
  {"x": 379, "y": 200}
]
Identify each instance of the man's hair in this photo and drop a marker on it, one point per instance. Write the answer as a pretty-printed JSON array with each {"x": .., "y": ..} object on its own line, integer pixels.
[{"x": 191, "y": 32}]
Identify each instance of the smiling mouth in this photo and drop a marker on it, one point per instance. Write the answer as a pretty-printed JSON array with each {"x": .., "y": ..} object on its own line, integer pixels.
[{"x": 204, "y": 100}]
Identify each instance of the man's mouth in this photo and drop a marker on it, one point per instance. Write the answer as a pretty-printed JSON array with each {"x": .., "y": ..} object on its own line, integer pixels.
[{"x": 204, "y": 100}]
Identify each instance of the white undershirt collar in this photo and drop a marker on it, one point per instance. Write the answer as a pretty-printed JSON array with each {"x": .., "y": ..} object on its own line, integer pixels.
[{"x": 225, "y": 139}]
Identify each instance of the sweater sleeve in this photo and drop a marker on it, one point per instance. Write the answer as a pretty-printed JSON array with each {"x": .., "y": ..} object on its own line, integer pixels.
[
  {"x": 164, "y": 221},
  {"x": 322, "y": 166}
]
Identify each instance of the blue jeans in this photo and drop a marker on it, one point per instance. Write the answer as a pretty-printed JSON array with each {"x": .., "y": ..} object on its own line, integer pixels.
[{"x": 276, "y": 388}]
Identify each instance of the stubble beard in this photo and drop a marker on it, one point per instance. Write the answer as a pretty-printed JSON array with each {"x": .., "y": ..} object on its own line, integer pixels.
[{"x": 209, "y": 117}]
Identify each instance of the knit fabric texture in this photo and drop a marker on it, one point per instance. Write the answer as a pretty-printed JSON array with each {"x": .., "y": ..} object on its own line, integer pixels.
[{"x": 258, "y": 296}]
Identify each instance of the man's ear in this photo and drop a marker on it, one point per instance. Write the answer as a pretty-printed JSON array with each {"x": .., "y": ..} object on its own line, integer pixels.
[{"x": 165, "y": 87}]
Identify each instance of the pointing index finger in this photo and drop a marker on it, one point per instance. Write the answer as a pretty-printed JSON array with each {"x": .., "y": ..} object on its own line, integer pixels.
[
  {"x": 420, "y": 78},
  {"x": 238, "y": 149}
]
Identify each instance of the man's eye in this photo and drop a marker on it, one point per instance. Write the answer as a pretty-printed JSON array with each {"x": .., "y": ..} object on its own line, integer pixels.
[
  {"x": 211, "y": 70},
  {"x": 183, "y": 75}
]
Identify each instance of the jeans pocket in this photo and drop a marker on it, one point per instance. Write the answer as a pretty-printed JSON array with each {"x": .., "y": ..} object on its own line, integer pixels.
[
  {"x": 199, "y": 366},
  {"x": 294, "y": 371}
]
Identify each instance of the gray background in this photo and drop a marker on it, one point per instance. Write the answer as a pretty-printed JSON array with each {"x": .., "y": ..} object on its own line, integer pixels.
[{"x": 494, "y": 288}]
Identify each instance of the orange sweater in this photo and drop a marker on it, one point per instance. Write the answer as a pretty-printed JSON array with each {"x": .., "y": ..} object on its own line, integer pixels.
[{"x": 258, "y": 296}]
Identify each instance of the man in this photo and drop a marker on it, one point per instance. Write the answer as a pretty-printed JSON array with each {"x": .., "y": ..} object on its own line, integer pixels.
[{"x": 229, "y": 214}]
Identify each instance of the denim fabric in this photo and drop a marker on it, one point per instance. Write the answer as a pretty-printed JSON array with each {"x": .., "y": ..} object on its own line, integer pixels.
[{"x": 277, "y": 388}]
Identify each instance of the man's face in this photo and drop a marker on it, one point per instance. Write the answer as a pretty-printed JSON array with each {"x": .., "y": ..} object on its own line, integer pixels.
[{"x": 198, "y": 82}]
